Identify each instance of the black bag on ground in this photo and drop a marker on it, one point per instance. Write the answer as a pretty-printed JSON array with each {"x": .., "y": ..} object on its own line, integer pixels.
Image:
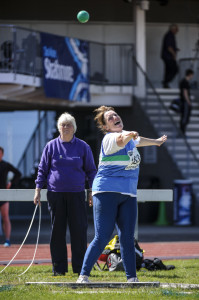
[
  {"x": 113, "y": 262},
  {"x": 156, "y": 264},
  {"x": 175, "y": 105}
]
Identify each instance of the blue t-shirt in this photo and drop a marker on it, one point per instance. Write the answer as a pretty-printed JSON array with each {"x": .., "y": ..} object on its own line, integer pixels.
[{"x": 118, "y": 171}]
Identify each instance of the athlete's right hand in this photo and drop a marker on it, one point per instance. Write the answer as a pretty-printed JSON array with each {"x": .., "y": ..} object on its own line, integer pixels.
[{"x": 133, "y": 134}]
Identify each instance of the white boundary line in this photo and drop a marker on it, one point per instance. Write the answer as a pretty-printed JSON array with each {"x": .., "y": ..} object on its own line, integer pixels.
[
  {"x": 75, "y": 285},
  {"x": 117, "y": 285}
]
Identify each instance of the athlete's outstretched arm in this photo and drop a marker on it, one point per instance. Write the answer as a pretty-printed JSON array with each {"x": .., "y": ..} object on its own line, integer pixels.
[{"x": 151, "y": 142}]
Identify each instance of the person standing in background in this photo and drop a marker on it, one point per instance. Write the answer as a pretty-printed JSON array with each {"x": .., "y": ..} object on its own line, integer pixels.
[
  {"x": 66, "y": 163},
  {"x": 169, "y": 55},
  {"x": 6, "y": 167},
  {"x": 185, "y": 99}
]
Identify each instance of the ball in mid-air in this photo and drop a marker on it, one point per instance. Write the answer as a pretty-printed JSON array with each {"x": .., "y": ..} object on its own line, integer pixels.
[{"x": 83, "y": 16}]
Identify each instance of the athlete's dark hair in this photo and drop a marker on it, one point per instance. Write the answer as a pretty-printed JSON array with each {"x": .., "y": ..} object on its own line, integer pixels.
[{"x": 99, "y": 118}]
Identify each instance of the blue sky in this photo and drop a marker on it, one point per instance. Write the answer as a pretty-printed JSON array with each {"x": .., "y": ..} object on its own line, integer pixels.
[{"x": 16, "y": 129}]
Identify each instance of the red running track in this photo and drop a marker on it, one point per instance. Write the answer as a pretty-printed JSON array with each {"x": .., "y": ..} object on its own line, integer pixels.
[{"x": 162, "y": 250}]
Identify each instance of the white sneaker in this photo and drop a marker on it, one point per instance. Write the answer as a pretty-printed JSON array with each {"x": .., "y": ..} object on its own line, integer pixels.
[
  {"x": 82, "y": 279},
  {"x": 133, "y": 279},
  {"x": 7, "y": 244}
]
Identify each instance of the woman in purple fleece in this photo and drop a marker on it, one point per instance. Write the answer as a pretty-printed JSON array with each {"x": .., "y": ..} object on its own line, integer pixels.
[{"x": 66, "y": 163}]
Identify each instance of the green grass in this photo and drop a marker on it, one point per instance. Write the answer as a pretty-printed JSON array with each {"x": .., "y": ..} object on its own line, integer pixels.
[{"x": 13, "y": 287}]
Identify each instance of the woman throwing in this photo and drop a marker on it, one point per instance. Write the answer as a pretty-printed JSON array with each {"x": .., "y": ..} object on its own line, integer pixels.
[{"x": 114, "y": 191}]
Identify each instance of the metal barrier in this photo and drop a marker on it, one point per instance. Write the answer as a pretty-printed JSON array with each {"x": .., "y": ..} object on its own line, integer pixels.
[
  {"x": 21, "y": 53},
  {"x": 28, "y": 195},
  {"x": 142, "y": 196},
  {"x": 112, "y": 64}
]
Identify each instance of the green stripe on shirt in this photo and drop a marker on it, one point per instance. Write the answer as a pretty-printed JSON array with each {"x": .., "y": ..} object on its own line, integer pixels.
[{"x": 116, "y": 158}]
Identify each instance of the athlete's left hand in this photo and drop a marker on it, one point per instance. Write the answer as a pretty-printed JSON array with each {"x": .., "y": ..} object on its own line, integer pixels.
[{"x": 161, "y": 140}]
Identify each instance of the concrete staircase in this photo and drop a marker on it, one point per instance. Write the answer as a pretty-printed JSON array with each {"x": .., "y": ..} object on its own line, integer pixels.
[{"x": 184, "y": 151}]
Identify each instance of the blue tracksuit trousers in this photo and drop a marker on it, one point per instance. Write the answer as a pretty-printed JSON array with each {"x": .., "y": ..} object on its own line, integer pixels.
[{"x": 112, "y": 208}]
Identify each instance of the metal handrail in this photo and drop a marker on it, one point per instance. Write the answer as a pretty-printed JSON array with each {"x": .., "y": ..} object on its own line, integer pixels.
[
  {"x": 165, "y": 108},
  {"x": 98, "y": 73},
  {"x": 32, "y": 138},
  {"x": 19, "y": 27}
]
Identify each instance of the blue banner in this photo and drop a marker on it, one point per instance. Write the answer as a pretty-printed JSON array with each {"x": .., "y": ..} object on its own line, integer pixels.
[{"x": 65, "y": 67}]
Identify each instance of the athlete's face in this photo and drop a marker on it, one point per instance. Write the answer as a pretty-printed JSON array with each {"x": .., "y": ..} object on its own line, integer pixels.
[{"x": 113, "y": 122}]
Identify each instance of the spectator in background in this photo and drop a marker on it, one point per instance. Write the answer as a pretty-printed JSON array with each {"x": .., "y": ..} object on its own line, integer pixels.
[
  {"x": 5, "y": 167},
  {"x": 169, "y": 54},
  {"x": 66, "y": 163},
  {"x": 185, "y": 100}
]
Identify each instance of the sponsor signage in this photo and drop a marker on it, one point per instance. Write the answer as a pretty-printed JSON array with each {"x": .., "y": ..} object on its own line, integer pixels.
[{"x": 65, "y": 67}]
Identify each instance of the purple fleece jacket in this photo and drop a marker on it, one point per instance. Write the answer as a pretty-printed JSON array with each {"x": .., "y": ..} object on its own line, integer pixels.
[{"x": 65, "y": 166}]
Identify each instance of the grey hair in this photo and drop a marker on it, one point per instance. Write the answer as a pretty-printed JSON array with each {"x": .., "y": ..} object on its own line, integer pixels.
[{"x": 66, "y": 117}]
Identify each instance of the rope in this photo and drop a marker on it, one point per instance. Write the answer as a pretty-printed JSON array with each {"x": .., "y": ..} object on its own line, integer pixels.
[
  {"x": 36, "y": 242},
  {"x": 26, "y": 238}
]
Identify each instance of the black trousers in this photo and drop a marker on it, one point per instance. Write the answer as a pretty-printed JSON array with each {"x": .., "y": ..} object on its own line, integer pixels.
[
  {"x": 171, "y": 69},
  {"x": 67, "y": 208},
  {"x": 185, "y": 116}
]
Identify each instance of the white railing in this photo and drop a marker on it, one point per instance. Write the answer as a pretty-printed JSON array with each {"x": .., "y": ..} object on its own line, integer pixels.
[{"x": 142, "y": 196}]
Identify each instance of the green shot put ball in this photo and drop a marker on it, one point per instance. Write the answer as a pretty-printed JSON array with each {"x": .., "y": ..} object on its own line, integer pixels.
[{"x": 83, "y": 16}]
